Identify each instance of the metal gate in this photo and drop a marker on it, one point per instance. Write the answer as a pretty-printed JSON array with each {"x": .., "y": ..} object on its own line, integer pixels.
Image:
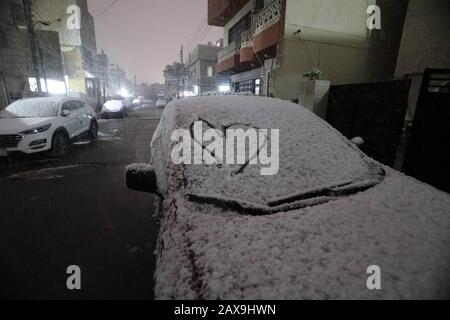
[
  {"x": 373, "y": 111},
  {"x": 428, "y": 153}
]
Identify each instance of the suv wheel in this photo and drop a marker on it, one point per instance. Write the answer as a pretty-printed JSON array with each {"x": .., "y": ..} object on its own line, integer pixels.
[
  {"x": 93, "y": 130},
  {"x": 60, "y": 144}
]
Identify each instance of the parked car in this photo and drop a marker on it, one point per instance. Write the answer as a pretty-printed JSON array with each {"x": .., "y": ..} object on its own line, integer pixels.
[
  {"x": 128, "y": 103},
  {"x": 161, "y": 103},
  {"x": 137, "y": 102},
  {"x": 41, "y": 124},
  {"x": 114, "y": 108},
  {"x": 93, "y": 102},
  {"x": 315, "y": 230}
]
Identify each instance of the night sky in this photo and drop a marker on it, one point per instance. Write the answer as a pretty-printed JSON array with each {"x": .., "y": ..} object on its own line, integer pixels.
[{"x": 143, "y": 36}]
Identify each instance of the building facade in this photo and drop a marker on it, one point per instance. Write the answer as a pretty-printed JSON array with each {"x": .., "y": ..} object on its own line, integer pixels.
[
  {"x": 75, "y": 27},
  {"x": 17, "y": 69},
  {"x": 270, "y": 44},
  {"x": 203, "y": 77}
]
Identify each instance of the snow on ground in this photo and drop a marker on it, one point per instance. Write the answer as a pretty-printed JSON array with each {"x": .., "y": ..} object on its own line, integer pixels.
[
  {"x": 47, "y": 173},
  {"x": 318, "y": 252}
]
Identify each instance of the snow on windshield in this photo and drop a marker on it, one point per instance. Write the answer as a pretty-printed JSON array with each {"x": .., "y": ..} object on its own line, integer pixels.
[
  {"x": 312, "y": 154},
  {"x": 32, "y": 108}
]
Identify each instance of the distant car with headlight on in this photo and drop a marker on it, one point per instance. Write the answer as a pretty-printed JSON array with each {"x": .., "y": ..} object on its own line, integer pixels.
[
  {"x": 161, "y": 103},
  {"x": 42, "y": 124}
]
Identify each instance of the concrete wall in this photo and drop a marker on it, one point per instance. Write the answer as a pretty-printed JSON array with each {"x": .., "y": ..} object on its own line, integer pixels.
[
  {"x": 52, "y": 60},
  {"x": 334, "y": 38},
  {"x": 425, "y": 44},
  {"x": 73, "y": 68},
  {"x": 55, "y": 11}
]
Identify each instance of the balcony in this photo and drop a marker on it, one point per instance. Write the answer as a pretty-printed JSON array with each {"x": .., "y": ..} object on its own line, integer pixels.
[
  {"x": 228, "y": 58},
  {"x": 268, "y": 27},
  {"x": 247, "y": 54},
  {"x": 220, "y": 12}
]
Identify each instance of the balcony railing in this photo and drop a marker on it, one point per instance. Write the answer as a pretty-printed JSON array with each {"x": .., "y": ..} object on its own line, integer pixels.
[
  {"x": 229, "y": 51},
  {"x": 267, "y": 17},
  {"x": 247, "y": 39}
]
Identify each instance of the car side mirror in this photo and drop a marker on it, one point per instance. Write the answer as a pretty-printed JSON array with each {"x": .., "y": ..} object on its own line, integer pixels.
[
  {"x": 65, "y": 113},
  {"x": 142, "y": 177},
  {"x": 358, "y": 141}
]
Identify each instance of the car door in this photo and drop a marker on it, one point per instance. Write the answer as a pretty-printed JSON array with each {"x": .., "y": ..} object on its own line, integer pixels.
[
  {"x": 86, "y": 113},
  {"x": 72, "y": 121},
  {"x": 80, "y": 110}
]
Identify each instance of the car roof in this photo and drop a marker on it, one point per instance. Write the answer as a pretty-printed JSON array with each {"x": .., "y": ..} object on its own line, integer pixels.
[{"x": 57, "y": 99}]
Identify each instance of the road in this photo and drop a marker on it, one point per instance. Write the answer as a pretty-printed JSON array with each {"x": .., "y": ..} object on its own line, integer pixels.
[{"x": 78, "y": 211}]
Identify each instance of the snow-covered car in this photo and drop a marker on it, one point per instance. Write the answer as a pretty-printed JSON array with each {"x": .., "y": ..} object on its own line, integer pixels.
[
  {"x": 41, "y": 124},
  {"x": 137, "y": 102},
  {"x": 161, "y": 103},
  {"x": 332, "y": 223},
  {"x": 91, "y": 101},
  {"x": 115, "y": 108}
]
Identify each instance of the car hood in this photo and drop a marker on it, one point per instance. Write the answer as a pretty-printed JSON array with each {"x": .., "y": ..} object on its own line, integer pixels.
[
  {"x": 17, "y": 125},
  {"x": 317, "y": 252}
]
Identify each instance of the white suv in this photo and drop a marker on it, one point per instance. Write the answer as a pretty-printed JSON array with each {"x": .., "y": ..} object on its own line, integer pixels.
[{"x": 42, "y": 124}]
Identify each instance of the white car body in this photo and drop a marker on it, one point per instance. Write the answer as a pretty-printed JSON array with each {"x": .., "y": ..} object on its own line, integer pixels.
[
  {"x": 160, "y": 103},
  {"x": 137, "y": 102},
  {"x": 114, "y": 107},
  {"x": 318, "y": 248},
  {"x": 16, "y": 133}
]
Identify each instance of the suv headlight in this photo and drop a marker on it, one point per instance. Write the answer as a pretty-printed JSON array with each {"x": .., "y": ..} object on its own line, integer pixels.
[{"x": 37, "y": 130}]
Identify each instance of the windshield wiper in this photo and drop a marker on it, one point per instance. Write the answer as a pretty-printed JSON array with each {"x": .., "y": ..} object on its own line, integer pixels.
[
  {"x": 293, "y": 202},
  {"x": 336, "y": 190}
]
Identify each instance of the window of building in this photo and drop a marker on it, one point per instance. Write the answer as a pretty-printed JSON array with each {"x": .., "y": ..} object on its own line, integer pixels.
[
  {"x": 258, "y": 86},
  {"x": 90, "y": 88},
  {"x": 249, "y": 86},
  {"x": 210, "y": 72},
  {"x": 234, "y": 34}
]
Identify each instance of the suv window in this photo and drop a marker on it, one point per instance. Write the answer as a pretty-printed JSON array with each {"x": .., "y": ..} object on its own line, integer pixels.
[
  {"x": 76, "y": 105},
  {"x": 72, "y": 105}
]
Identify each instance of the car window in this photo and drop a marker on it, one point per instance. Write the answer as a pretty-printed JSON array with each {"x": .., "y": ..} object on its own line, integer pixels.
[
  {"x": 72, "y": 105},
  {"x": 66, "y": 106},
  {"x": 77, "y": 105}
]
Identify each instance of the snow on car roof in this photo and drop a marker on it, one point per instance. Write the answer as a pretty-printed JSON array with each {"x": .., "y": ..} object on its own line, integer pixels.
[
  {"x": 312, "y": 154},
  {"x": 35, "y": 107}
]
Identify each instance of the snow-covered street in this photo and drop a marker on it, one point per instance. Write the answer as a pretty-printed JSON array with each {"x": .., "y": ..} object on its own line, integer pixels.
[{"x": 78, "y": 211}]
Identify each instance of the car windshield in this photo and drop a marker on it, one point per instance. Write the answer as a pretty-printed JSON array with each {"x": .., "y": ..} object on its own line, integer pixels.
[
  {"x": 31, "y": 108},
  {"x": 314, "y": 160}
]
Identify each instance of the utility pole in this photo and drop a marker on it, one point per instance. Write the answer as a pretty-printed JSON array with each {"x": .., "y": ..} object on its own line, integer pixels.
[
  {"x": 33, "y": 42},
  {"x": 118, "y": 79},
  {"x": 183, "y": 70}
]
